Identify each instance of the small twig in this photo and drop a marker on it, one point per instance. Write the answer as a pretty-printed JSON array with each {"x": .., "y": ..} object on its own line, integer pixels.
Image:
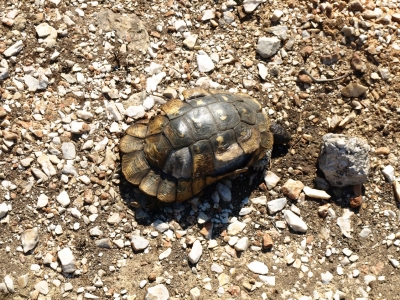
[{"x": 324, "y": 80}]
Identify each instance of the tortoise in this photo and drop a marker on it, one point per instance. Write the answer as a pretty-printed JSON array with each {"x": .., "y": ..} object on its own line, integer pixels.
[{"x": 194, "y": 143}]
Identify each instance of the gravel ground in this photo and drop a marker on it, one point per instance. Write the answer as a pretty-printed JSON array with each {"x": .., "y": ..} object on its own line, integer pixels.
[{"x": 75, "y": 74}]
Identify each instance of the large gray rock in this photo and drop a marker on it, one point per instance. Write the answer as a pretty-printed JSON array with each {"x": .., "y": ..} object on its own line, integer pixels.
[
  {"x": 128, "y": 28},
  {"x": 344, "y": 160},
  {"x": 268, "y": 46}
]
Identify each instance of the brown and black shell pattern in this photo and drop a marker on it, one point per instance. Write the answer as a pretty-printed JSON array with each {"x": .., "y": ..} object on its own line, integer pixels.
[{"x": 193, "y": 144}]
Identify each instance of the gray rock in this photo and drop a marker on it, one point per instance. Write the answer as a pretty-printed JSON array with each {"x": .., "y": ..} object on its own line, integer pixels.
[
  {"x": 104, "y": 243},
  {"x": 129, "y": 28},
  {"x": 67, "y": 260},
  {"x": 279, "y": 31},
  {"x": 344, "y": 160},
  {"x": 4, "y": 73},
  {"x": 139, "y": 243},
  {"x": 242, "y": 244},
  {"x": 44, "y": 30},
  {"x": 68, "y": 150},
  {"x": 29, "y": 239},
  {"x": 43, "y": 200},
  {"x": 268, "y": 46},
  {"x": 14, "y": 49},
  {"x": 224, "y": 192},
  {"x": 157, "y": 292},
  {"x": 32, "y": 83}
]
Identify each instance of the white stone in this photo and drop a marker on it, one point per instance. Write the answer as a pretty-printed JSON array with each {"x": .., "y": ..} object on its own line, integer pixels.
[
  {"x": 68, "y": 150},
  {"x": 204, "y": 62},
  {"x": 276, "y": 205},
  {"x": 3, "y": 209},
  {"x": 190, "y": 41},
  {"x": 262, "y": 200},
  {"x": 165, "y": 254},
  {"x": 67, "y": 260},
  {"x": 158, "y": 292},
  {"x": 29, "y": 239},
  {"x": 295, "y": 222},
  {"x": 180, "y": 25},
  {"x": 42, "y": 287},
  {"x": 154, "y": 81},
  {"x": 148, "y": 103},
  {"x": 135, "y": 112},
  {"x": 344, "y": 223},
  {"x": 250, "y": 5},
  {"x": 46, "y": 165},
  {"x": 195, "y": 293},
  {"x": 258, "y": 267},
  {"x": 196, "y": 252},
  {"x": 314, "y": 193},
  {"x": 31, "y": 82},
  {"x": 236, "y": 227},
  {"x": 388, "y": 173},
  {"x": 139, "y": 243},
  {"x": 326, "y": 277},
  {"x": 242, "y": 244},
  {"x": 271, "y": 179},
  {"x": 63, "y": 199},
  {"x": 245, "y": 211},
  {"x": 160, "y": 225},
  {"x": 9, "y": 283},
  {"x": 208, "y": 14},
  {"x": 217, "y": 268},
  {"x": 268, "y": 46},
  {"x": 269, "y": 280},
  {"x": 14, "y": 49}
]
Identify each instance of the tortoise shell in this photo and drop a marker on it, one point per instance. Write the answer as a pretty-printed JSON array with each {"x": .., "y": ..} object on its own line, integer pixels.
[{"x": 193, "y": 144}]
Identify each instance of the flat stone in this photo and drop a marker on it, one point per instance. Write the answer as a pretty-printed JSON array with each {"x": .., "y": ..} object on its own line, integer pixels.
[
  {"x": 258, "y": 267},
  {"x": 153, "y": 81},
  {"x": 217, "y": 268},
  {"x": 353, "y": 90},
  {"x": 104, "y": 243},
  {"x": 292, "y": 188},
  {"x": 29, "y": 239},
  {"x": 314, "y": 193},
  {"x": 139, "y": 243},
  {"x": 135, "y": 112},
  {"x": 196, "y": 252},
  {"x": 23, "y": 280},
  {"x": 268, "y": 46},
  {"x": 204, "y": 62},
  {"x": 295, "y": 222},
  {"x": 67, "y": 260},
  {"x": 276, "y": 205},
  {"x": 14, "y": 49},
  {"x": 158, "y": 292},
  {"x": 250, "y": 5},
  {"x": 165, "y": 254},
  {"x": 208, "y": 14},
  {"x": 195, "y": 293},
  {"x": 127, "y": 27},
  {"x": 42, "y": 287}
]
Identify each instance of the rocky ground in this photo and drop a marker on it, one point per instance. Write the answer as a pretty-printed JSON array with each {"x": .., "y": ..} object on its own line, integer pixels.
[{"x": 75, "y": 74}]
